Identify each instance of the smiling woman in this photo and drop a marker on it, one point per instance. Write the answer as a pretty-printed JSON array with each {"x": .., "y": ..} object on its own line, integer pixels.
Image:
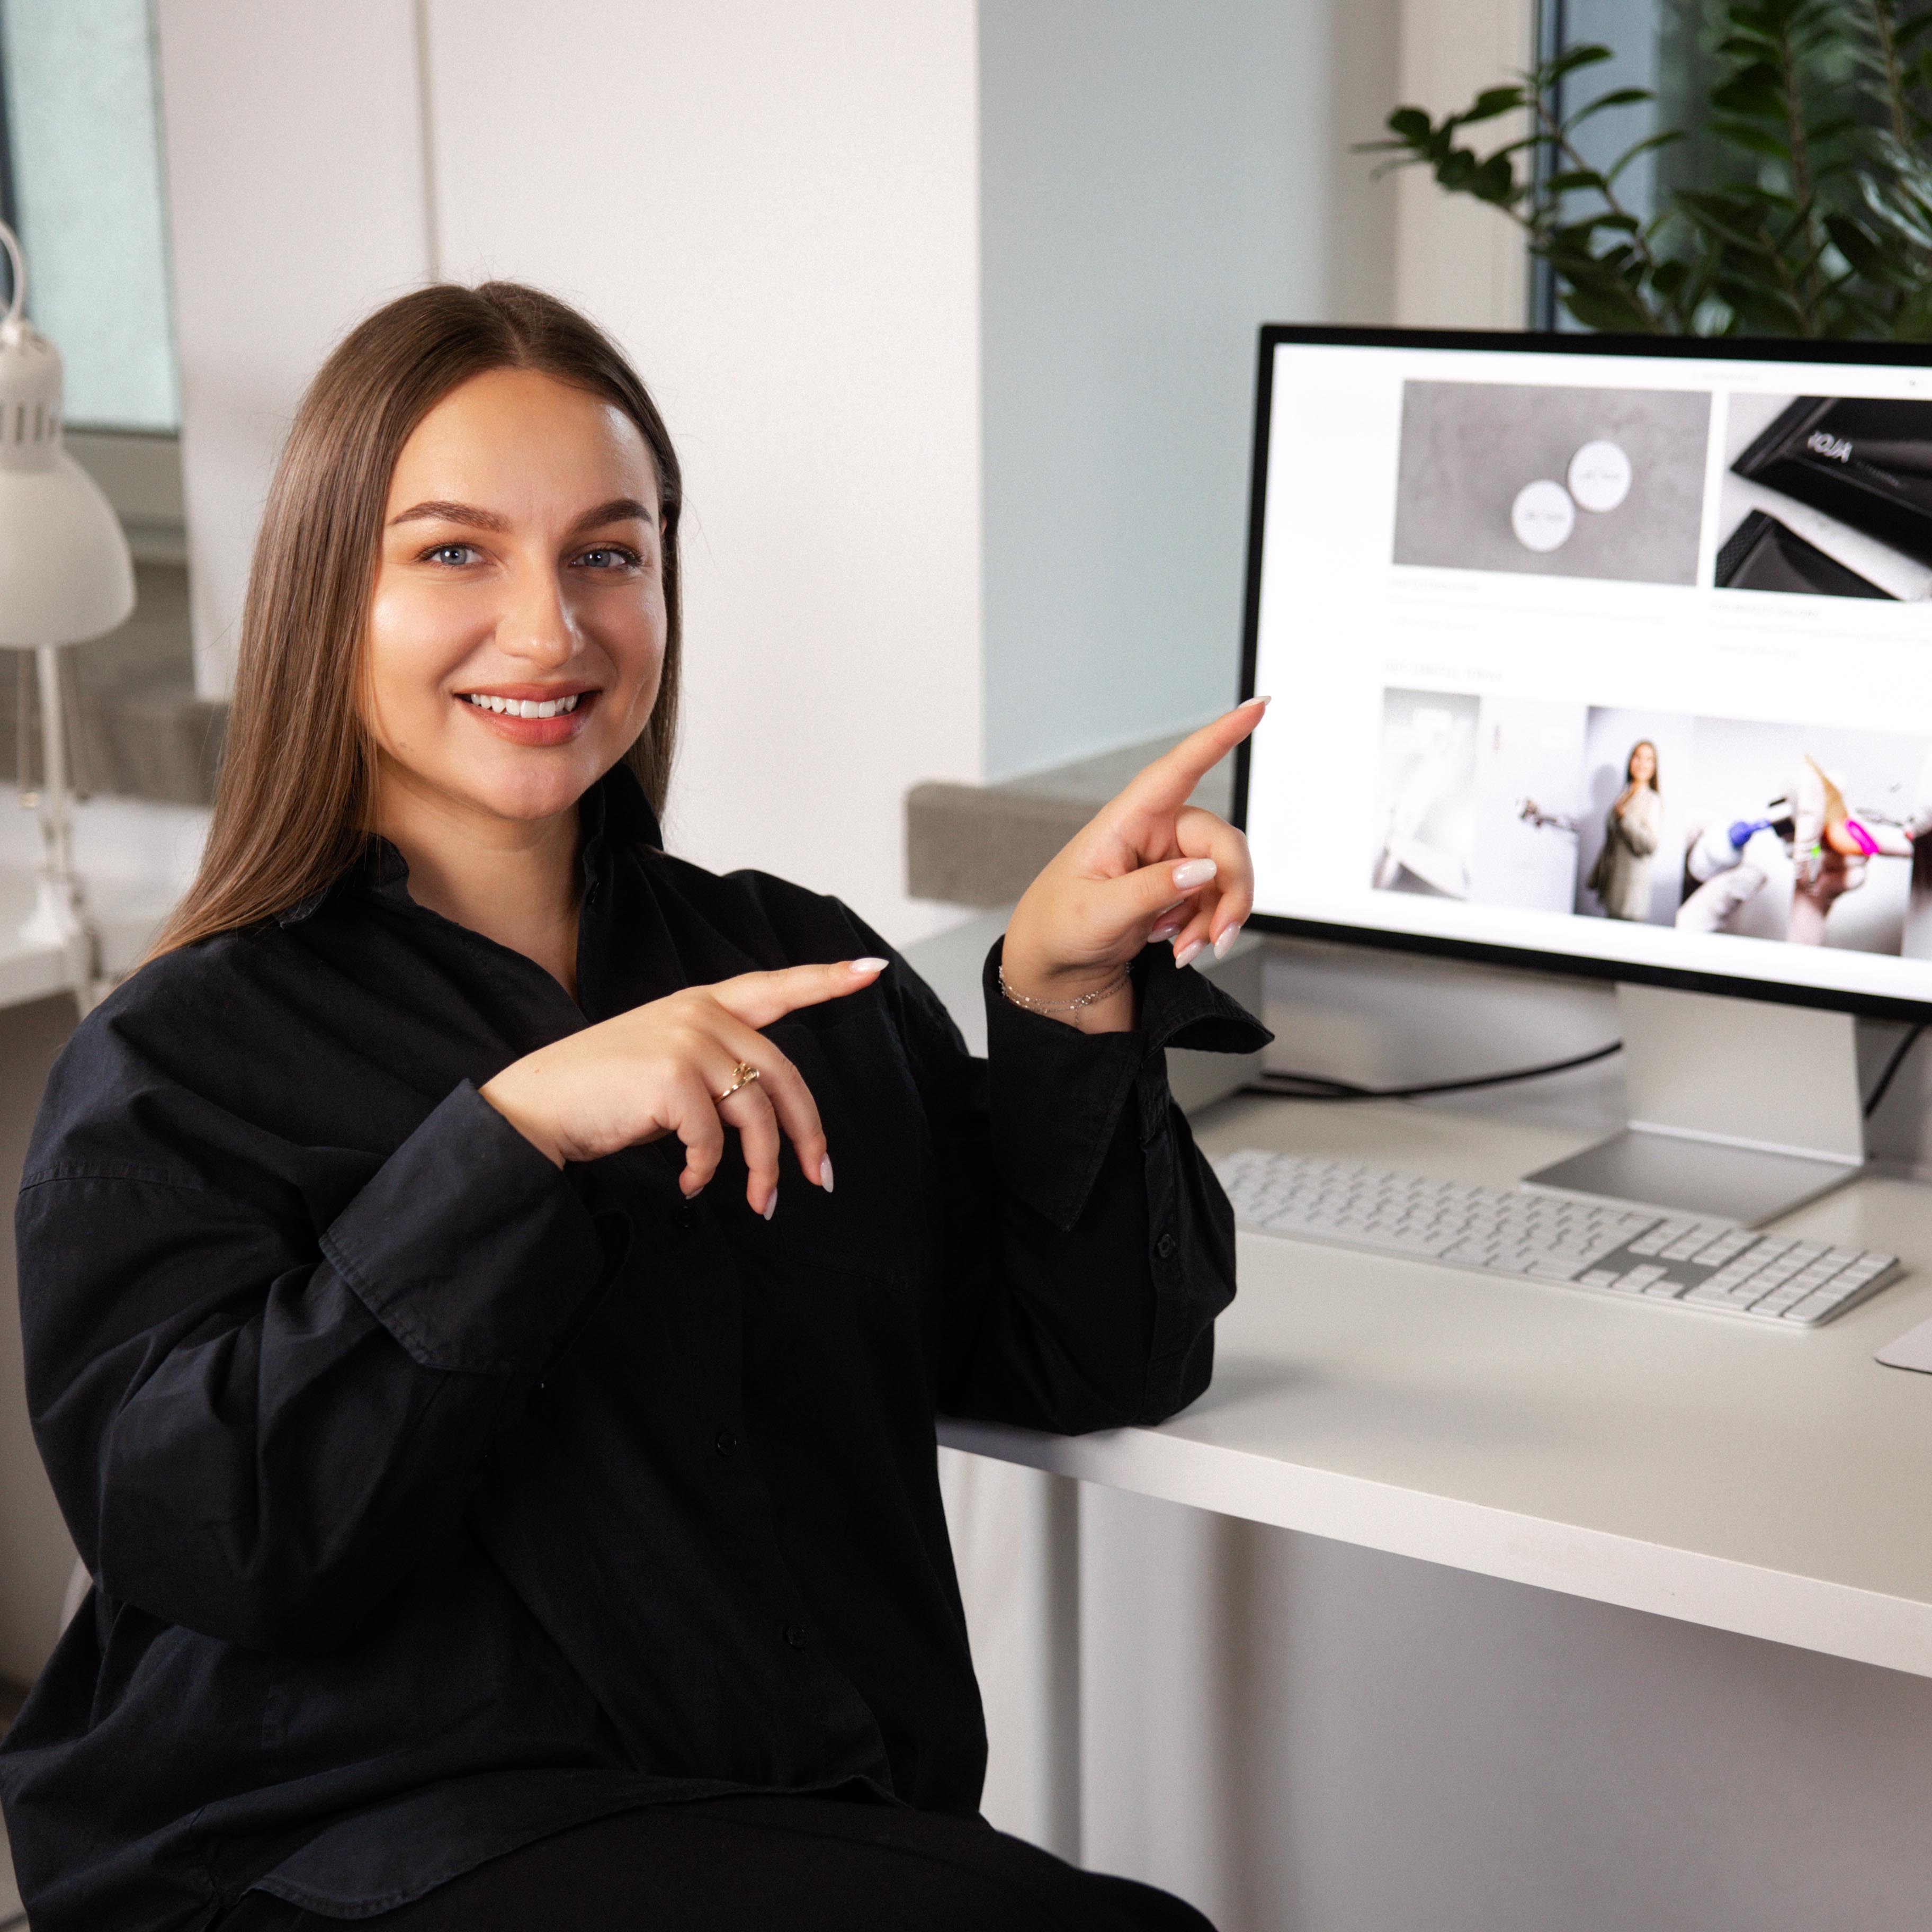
[
  {"x": 351, "y": 559},
  {"x": 493, "y": 1522},
  {"x": 519, "y": 602}
]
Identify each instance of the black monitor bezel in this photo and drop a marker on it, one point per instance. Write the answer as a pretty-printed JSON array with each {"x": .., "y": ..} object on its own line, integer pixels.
[{"x": 1728, "y": 348}]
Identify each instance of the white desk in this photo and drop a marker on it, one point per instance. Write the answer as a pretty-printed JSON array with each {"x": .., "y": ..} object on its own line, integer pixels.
[{"x": 1659, "y": 1458}]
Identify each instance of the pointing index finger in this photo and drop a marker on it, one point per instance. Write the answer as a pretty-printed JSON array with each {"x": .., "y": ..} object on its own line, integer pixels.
[
  {"x": 760, "y": 998},
  {"x": 1168, "y": 783}
]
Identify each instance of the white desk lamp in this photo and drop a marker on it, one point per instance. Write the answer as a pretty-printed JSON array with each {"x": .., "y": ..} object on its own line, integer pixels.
[{"x": 65, "y": 576}]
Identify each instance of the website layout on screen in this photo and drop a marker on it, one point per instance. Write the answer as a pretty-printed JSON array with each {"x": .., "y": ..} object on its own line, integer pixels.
[{"x": 1620, "y": 656}]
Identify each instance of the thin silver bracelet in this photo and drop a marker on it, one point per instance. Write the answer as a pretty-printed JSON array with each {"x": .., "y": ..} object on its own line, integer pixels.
[{"x": 1063, "y": 1005}]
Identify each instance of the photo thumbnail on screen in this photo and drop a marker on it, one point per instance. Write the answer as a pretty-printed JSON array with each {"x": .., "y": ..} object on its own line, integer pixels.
[
  {"x": 1552, "y": 480},
  {"x": 1811, "y": 835},
  {"x": 1827, "y": 495}
]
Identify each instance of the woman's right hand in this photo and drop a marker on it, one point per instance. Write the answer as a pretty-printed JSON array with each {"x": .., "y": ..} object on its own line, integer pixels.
[{"x": 660, "y": 1069}]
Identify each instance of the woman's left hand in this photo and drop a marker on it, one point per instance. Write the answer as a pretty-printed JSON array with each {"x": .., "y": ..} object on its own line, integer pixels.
[{"x": 1149, "y": 867}]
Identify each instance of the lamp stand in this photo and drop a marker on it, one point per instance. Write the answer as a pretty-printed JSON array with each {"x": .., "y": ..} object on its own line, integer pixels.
[{"x": 59, "y": 918}]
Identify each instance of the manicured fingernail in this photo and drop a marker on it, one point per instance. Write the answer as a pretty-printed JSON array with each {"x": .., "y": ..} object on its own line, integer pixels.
[
  {"x": 1192, "y": 872},
  {"x": 1226, "y": 941},
  {"x": 1257, "y": 701},
  {"x": 870, "y": 965},
  {"x": 1187, "y": 954},
  {"x": 771, "y": 1204},
  {"x": 825, "y": 1174},
  {"x": 1161, "y": 932}
]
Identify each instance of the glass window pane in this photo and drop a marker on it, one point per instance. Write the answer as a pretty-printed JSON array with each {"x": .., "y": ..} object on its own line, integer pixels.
[
  {"x": 83, "y": 125},
  {"x": 1659, "y": 45}
]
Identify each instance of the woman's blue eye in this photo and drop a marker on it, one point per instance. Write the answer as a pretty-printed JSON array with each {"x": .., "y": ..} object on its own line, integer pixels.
[
  {"x": 607, "y": 557},
  {"x": 452, "y": 553}
]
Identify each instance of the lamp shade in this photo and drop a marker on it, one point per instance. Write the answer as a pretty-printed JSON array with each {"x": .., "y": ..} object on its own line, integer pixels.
[{"x": 65, "y": 572}]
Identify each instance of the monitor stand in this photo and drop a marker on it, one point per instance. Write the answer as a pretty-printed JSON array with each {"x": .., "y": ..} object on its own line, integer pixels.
[{"x": 1739, "y": 1110}]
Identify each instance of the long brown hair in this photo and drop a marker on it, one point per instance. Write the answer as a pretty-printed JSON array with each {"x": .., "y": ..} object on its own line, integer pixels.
[{"x": 293, "y": 803}]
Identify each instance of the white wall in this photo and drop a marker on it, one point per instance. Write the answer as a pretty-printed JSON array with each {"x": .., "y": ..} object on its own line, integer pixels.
[
  {"x": 1158, "y": 181},
  {"x": 774, "y": 209},
  {"x": 1460, "y": 265},
  {"x": 295, "y": 205}
]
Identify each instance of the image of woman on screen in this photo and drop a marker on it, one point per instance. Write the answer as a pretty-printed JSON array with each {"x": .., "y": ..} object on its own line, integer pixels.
[
  {"x": 1621, "y": 878},
  {"x": 506, "y": 1470}
]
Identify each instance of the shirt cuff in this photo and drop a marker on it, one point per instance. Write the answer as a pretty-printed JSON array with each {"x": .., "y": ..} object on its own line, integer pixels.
[
  {"x": 468, "y": 1245},
  {"x": 1056, "y": 1093}
]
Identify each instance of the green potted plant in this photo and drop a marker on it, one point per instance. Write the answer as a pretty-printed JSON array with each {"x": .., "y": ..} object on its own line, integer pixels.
[{"x": 1818, "y": 221}]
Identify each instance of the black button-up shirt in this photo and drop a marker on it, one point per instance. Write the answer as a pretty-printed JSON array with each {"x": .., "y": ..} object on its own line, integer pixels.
[{"x": 437, "y": 1500}]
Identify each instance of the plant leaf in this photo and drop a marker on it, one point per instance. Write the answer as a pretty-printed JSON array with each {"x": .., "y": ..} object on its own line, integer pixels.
[
  {"x": 1491, "y": 102},
  {"x": 1622, "y": 97},
  {"x": 1752, "y": 138},
  {"x": 1571, "y": 58},
  {"x": 1643, "y": 147}
]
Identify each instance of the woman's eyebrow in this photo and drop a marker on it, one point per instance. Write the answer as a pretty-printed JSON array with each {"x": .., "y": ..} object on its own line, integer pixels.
[
  {"x": 619, "y": 509},
  {"x": 441, "y": 512}
]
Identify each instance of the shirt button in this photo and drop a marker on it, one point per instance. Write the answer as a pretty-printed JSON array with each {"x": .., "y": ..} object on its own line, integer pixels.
[
  {"x": 797, "y": 1636},
  {"x": 1166, "y": 1246},
  {"x": 725, "y": 1443}
]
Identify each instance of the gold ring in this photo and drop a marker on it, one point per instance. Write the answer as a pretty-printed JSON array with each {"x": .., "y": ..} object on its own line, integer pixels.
[{"x": 742, "y": 1075}]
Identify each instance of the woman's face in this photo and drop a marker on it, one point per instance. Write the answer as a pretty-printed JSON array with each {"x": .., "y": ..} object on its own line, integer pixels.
[
  {"x": 517, "y": 634},
  {"x": 1643, "y": 765}
]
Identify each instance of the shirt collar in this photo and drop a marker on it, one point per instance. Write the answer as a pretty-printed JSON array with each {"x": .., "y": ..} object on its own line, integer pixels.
[{"x": 613, "y": 815}]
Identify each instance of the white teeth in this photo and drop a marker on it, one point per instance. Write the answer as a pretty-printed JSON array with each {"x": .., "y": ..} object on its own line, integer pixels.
[{"x": 524, "y": 707}]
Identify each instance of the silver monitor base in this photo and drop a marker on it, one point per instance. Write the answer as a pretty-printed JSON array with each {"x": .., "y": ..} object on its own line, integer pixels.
[
  {"x": 1705, "y": 1178},
  {"x": 1739, "y": 1110}
]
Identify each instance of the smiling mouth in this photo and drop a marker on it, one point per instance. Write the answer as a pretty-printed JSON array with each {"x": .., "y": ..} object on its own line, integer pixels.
[{"x": 523, "y": 707}]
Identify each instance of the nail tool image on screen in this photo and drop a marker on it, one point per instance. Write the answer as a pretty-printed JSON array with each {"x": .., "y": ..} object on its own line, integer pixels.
[
  {"x": 1867, "y": 461},
  {"x": 1827, "y": 496}
]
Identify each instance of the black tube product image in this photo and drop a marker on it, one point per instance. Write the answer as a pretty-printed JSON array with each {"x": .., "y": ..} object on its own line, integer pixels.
[
  {"x": 1867, "y": 461},
  {"x": 1762, "y": 554}
]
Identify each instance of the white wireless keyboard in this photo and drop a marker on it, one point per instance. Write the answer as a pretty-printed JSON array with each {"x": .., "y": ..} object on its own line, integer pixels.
[{"x": 1551, "y": 1237}]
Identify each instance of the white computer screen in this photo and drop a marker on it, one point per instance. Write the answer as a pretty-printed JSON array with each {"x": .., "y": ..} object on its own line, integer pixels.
[{"x": 1615, "y": 656}]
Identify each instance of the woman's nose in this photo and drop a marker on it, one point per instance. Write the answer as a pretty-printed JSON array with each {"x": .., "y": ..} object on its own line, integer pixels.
[{"x": 538, "y": 624}]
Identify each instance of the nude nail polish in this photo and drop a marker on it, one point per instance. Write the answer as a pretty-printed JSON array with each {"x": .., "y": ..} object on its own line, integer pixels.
[
  {"x": 870, "y": 965},
  {"x": 1188, "y": 953},
  {"x": 771, "y": 1204},
  {"x": 825, "y": 1174},
  {"x": 1225, "y": 941},
  {"x": 1192, "y": 872}
]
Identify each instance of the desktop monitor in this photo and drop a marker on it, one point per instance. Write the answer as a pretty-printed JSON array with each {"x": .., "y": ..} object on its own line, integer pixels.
[{"x": 1610, "y": 656}]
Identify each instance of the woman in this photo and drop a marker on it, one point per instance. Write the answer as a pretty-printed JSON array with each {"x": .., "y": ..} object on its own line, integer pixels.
[
  {"x": 506, "y": 1465},
  {"x": 1620, "y": 877}
]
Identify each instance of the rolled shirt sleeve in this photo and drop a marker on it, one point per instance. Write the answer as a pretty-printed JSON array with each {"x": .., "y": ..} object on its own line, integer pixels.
[{"x": 1092, "y": 1246}]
